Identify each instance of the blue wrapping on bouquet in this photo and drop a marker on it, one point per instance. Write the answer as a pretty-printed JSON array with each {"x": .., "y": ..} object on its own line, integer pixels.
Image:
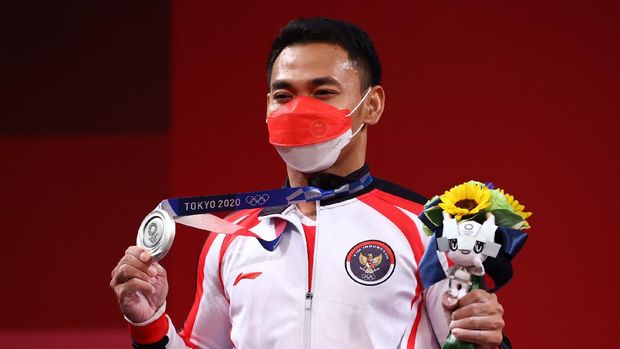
[{"x": 499, "y": 268}]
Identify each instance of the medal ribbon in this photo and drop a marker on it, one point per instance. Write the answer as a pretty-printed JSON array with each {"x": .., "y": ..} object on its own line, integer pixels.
[{"x": 196, "y": 211}]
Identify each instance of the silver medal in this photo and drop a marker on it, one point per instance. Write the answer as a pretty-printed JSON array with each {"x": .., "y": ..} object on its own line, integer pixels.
[{"x": 156, "y": 233}]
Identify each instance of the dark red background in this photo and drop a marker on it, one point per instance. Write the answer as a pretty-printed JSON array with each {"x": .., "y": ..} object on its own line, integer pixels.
[{"x": 113, "y": 107}]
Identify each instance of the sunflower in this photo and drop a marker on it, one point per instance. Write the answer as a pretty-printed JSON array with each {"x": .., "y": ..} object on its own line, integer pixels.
[
  {"x": 465, "y": 199},
  {"x": 516, "y": 206}
]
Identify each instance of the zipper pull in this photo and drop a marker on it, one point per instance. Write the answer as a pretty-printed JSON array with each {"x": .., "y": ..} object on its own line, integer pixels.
[{"x": 308, "y": 303}]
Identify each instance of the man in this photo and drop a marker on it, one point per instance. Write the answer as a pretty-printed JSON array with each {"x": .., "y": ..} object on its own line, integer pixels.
[{"x": 344, "y": 271}]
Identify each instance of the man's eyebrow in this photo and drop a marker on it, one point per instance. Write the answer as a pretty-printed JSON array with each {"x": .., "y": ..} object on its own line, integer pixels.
[
  {"x": 281, "y": 84},
  {"x": 327, "y": 80},
  {"x": 324, "y": 80}
]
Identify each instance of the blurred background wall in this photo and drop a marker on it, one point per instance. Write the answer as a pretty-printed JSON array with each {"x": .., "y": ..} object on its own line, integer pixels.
[{"x": 110, "y": 107}]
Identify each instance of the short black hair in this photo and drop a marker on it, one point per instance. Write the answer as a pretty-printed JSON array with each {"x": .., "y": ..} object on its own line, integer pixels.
[{"x": 327, "y": 30}]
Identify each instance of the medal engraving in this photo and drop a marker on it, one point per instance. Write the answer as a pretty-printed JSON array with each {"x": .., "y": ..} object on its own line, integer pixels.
[{"x": 156, "y": 233}]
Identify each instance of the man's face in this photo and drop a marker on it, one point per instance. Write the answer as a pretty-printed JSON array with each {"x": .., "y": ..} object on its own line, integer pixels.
[{"x": 317, "y": 70}]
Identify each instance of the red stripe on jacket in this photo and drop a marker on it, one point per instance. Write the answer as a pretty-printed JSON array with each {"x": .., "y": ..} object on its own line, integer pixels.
[
  {"x": 386, "y": 204},
  {"x": 188, "y": 327}
]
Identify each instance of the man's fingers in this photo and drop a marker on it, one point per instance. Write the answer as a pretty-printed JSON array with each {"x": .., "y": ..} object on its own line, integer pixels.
[
  {"x": 139, "y": 253},
  {"x": 478, "y": 303},
  {"x": 477, "y": 296},
  {"x": 478, "y": 319},
  {"x": 137, "y": 257},
  {"x": 490, "y": 322},
  {"x": 478, "y": 309},
  {"x": 129, "y": 288},
  {"x": 132, "y": 260},
  {"x": 146, "y": 267},
  {"x": 127, "y": 272},
  {"x": 479, "y": 337},
  {"x": 160, "y": 270}
]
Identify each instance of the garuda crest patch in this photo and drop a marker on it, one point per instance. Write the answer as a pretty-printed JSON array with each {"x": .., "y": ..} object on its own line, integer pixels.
[{"x": 370, "y": 262}]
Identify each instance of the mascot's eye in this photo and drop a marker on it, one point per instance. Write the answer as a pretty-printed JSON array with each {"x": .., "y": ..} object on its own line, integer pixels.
[
  {"x": 478, "y": 246},
  {"x": 454, "y": 244}
]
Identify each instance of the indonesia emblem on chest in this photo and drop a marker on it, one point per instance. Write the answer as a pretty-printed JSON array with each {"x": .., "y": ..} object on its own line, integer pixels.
[{"x": 370, "y": 262}]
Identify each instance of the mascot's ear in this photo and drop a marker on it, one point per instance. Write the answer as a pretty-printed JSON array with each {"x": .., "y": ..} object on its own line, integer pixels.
[
  {"x": 487, "y": 231},
  {"x": 488, "y": 228},
  {"x": 450, "y": 228}
]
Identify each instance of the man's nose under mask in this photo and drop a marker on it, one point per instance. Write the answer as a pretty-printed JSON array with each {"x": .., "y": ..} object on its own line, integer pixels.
[{"x": 309, "y": 134}]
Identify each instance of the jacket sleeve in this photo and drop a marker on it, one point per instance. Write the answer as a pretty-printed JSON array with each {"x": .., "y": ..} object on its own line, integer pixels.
[
  {"x": 207, "y": 325},
  {"x": 438, "y": 315}
]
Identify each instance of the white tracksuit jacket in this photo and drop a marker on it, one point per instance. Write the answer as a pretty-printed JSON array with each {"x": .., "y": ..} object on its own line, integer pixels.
[{"x": 362, "y": 291}]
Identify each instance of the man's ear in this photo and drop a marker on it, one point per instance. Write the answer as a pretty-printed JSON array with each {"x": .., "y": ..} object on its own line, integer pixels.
[
  {"x": 375, "y": 105},
  {"x": 267, "y": 104}
]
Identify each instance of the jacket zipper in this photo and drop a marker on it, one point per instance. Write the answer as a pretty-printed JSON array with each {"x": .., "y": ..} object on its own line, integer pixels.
[
  {"x": 307, "y": 319},
  {"x": 309, "y": 284}
]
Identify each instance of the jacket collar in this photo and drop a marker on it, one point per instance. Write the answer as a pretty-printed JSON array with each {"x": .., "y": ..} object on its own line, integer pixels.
[{"x": 328, "y": 181}]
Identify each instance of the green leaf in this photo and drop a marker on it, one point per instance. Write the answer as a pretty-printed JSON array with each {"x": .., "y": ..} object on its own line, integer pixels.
[
  {"x": 480, "y": 184},
  {"x": 432, "y": 202},
  {"x": 521, "y": 226},
  {"x": 498, "y": 201},
  {"x": 434, "y": 214},
  {"x": 479, "y": 217},
  {"x": 427, "y": 231},
  {"x": 506, "y": 218}
]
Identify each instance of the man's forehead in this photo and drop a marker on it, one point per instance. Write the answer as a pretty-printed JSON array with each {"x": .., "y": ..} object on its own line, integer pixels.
[{"x": 305, "y": 62}]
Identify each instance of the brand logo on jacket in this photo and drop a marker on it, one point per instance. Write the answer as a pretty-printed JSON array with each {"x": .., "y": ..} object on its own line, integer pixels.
[{"x": 370, "y": 262}]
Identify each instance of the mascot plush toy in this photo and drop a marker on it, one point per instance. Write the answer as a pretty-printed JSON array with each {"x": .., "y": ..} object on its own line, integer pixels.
[
  {"x": 467, "y": 244},
  {"x": 478, "y": 229}
]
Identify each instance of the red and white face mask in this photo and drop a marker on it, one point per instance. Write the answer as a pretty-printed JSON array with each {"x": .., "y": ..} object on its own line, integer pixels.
[{"x": 309, "y": 134}]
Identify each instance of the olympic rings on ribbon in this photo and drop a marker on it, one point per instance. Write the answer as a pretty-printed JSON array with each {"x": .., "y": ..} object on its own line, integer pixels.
[{"x": 257, "y": 199}]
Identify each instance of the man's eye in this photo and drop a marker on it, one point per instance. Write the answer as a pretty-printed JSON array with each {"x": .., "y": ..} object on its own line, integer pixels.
[
  {"x": 280, "y": 97},
  {"x": 324, "y": 93}
]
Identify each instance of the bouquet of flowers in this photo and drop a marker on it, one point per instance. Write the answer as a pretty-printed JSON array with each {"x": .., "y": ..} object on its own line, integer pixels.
[{"x": 469, "y": 223}]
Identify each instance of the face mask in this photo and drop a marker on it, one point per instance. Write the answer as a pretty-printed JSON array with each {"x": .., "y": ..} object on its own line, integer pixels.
[{"x": 309, "y": 134}]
